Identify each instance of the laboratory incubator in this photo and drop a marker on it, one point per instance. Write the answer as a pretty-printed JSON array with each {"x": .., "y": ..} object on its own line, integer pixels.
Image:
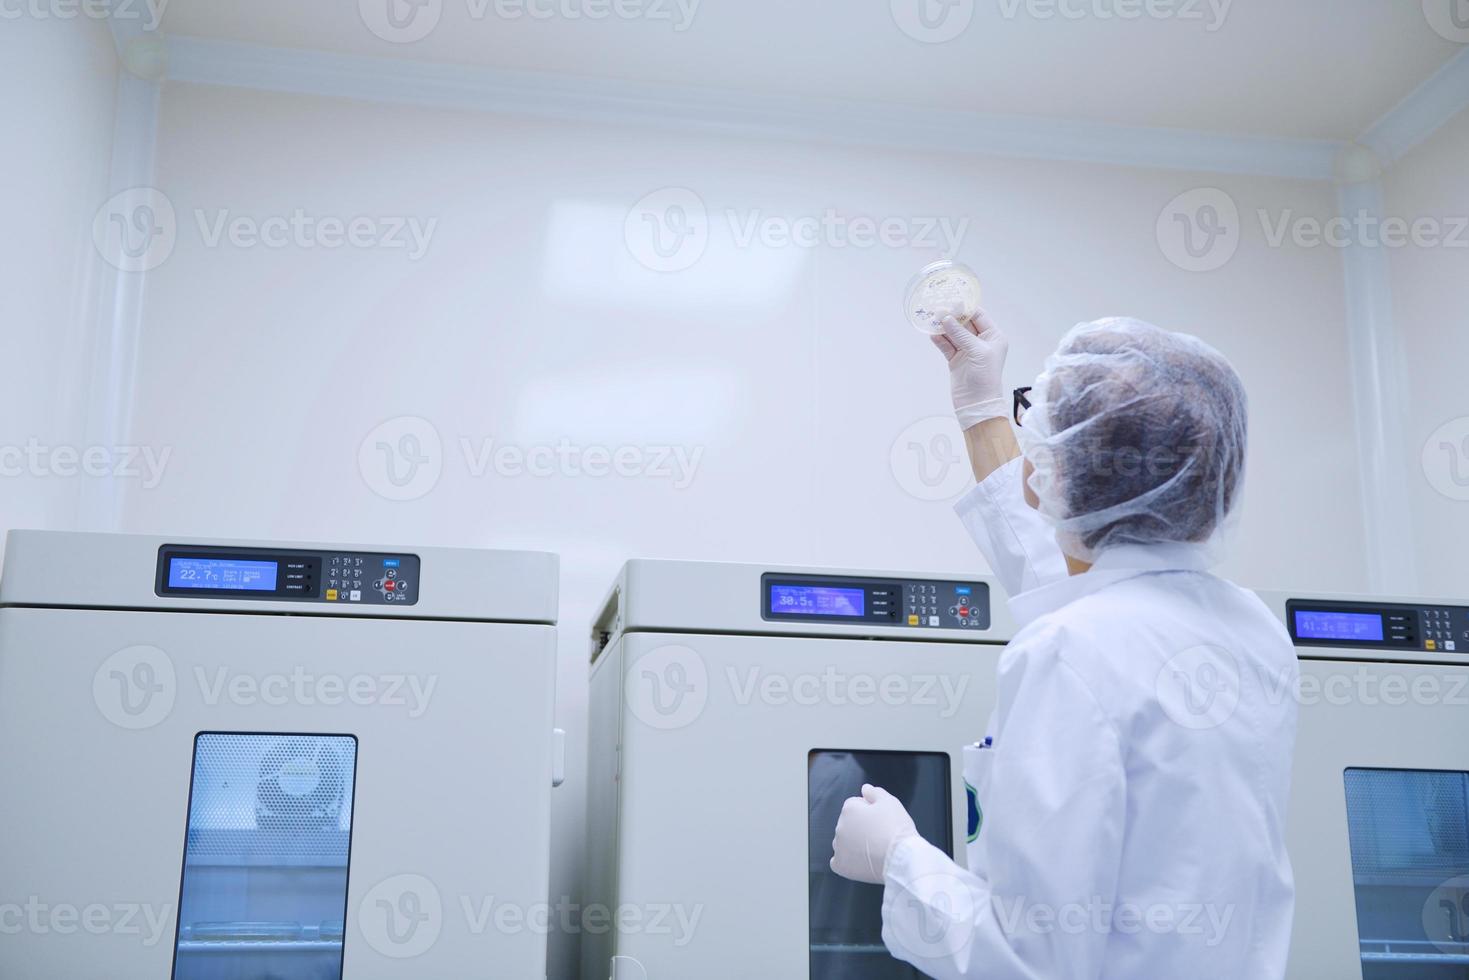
[
  {"x": 734, "y": 708},
  {"x": 1378, "y": 830},
  {"x": 246, "y": 760}
]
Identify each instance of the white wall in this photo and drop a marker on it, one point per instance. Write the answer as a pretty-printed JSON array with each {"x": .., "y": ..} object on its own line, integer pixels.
[
  {"x": 1432, "y": 318},
  {"x": 529, "y": 322},
  {"x": 59, "y": 77}
]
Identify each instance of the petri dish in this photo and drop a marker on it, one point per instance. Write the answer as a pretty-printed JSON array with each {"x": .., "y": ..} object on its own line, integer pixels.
[{"x": 942, "y": 288}]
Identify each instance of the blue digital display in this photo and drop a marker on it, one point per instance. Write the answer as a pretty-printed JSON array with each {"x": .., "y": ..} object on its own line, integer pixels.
[
  {"x": 222, "y": 573},
  {"x": 1344, "y": 626},
  {"x": 817, "y": 600}
]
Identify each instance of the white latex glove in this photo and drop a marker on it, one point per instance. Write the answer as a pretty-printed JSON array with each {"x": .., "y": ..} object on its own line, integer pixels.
[
  {"x": 869, "y": 826},
  {"x": 976, "y": 350}
]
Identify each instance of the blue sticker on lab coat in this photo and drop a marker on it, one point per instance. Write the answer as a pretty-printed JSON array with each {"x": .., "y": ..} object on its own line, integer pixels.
[{"x": 976, "y": 816}]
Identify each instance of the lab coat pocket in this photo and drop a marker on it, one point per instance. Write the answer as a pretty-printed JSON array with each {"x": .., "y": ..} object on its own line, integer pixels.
[{"x": 977, "y": 761}]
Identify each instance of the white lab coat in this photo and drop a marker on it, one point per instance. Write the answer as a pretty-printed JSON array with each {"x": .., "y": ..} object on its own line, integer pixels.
[{"x": 1135, "y": 806}]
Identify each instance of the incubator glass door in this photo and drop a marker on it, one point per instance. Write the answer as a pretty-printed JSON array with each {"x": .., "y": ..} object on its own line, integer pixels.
[
  {"x": 1409, "y": 835},
  {"x": 846, "y": 916},
  {"x": 264, "y": 889}
]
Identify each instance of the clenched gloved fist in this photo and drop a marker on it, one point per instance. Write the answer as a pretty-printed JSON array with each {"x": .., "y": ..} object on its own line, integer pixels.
[{"x": 869, "y": 826}]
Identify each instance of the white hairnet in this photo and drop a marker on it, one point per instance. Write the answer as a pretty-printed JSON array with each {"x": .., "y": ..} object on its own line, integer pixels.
[{"x": 1136, "y": 436}]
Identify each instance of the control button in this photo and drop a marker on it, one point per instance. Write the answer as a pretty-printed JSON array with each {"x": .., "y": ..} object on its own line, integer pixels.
[
  {"x": 964, "y": 610},
  {"x": 390, "y": 585},
  {"x": 1432, "y": 644},
  {"x": 392, "y": 573},
  {"x": 390, "y": 563},
  {"x": 912, "y": 620},
  {"x": 331, "y": 594},
  {"x": 934, "y": 621},
  {"x": 403, "y": 584},
  {"x": 1449, "y": 645},
  {"x": 355, "y": 596},
  {"x": 378, "y": 584},
  {"x": 953, "y": 610}
]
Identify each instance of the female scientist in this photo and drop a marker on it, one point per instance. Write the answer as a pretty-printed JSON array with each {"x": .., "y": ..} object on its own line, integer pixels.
[{"x": 1135, "y": 802}]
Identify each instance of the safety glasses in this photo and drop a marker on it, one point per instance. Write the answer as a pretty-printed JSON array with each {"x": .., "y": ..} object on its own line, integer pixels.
[{"x": 1021, "y": 402}]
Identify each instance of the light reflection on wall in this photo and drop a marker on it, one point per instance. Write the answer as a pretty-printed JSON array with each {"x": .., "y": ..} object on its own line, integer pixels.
[{"x": 603, "y": 253}]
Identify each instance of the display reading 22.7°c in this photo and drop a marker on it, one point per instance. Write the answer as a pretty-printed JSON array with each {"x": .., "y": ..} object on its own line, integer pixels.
[{"x": 222, "y": 573}]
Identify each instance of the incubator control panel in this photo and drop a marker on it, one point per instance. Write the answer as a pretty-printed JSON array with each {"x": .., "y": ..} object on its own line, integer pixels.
[
  {"x": 274, "y": 575},
  {"x": 1381, "y": 626},
  {"x": 915, "y": 603}
]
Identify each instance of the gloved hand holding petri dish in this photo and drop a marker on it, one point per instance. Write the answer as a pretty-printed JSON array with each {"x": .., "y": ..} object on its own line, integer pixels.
[{"x": 942, "y": 288}]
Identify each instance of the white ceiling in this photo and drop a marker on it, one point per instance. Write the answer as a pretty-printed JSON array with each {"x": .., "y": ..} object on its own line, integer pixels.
[{"x": 1317, "y": 69}]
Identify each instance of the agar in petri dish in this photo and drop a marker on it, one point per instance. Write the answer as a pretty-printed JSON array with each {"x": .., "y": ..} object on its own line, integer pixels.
[{"x": 942, "y": 288}]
